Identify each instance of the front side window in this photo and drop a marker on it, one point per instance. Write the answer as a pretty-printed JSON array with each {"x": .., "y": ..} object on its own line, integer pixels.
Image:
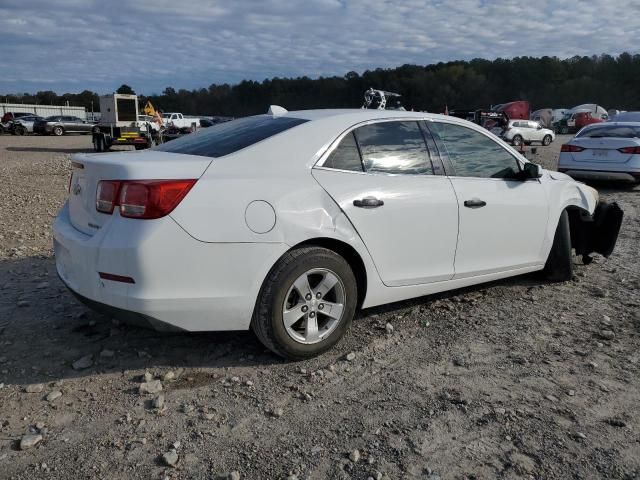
[
  {"x": 393, "y": 147},
  {"x": 473, "y": 154},
  {"x": 229, "y": 137}
]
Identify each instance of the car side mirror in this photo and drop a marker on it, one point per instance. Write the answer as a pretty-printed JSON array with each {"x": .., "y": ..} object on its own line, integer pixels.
[{"x": 531, "y": 170}]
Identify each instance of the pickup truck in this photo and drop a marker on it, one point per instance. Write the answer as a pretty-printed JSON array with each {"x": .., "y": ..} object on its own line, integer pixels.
[{"x": 178, "y": 120}]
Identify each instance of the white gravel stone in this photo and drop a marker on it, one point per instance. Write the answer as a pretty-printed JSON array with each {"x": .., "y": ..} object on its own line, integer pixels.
[
  {"x": 34, "y": 388},
  {"x": 154, "y": 386},
  {"x": 355, "y": 456},
  {"x": 158, "y": 402},
  {"x": 30, "y": 440},
  {"x": 351, "y": 356},
  {"x": 170, "y": 458},
  {"x": 54, "y": 395}
]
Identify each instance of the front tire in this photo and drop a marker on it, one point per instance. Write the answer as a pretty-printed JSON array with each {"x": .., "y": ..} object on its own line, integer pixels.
[
  {"x": 546, "y": 141},
  {"x": 517, "y": 140},
  {"x": 306, "y": 304},
  {"x": 559, "y": 265}
]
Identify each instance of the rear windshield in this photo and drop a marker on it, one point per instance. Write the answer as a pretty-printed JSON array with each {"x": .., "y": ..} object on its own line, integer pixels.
[
  {"x": 229, "y": 137},
  {"x": 611, "y": 131}
]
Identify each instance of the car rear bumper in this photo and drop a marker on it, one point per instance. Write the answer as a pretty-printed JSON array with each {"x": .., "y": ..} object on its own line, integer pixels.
[
  {"x": 601, "y": 175},
  {"x": 180, "y": 282}
]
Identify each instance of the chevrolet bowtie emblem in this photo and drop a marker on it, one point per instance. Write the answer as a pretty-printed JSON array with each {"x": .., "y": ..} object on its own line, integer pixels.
[{"x": 77, "y": 189}]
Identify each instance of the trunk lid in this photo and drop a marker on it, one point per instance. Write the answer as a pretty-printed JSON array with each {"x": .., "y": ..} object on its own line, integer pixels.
[
  {"x": 605, "y": 150},
  {"x": 89, "y": 169}
]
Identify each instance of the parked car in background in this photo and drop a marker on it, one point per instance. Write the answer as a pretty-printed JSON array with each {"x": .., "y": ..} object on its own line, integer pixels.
[
  {"x": 61, "y": 124},
  {"x": 625, "y": 117},
  {"x": 527, "y": 132},
  {"x": 8, "y": 116},
  {"x": 23, "y": 125},
  {"x": 605, "y": 151},
  {"x": 573, "y": 122},
  {"x": 286, "y": 223},
  {"x": 178, "y": 120}
]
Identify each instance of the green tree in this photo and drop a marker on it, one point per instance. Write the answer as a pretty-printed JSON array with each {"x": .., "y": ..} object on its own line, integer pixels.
[{"x": 125, "y": 89}]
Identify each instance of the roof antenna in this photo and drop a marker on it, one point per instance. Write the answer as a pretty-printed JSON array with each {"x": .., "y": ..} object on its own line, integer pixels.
[{"x": 277, "y": 111}]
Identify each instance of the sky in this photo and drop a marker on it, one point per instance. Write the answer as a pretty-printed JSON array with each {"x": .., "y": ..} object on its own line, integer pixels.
[{"x": 73, "y": 45}]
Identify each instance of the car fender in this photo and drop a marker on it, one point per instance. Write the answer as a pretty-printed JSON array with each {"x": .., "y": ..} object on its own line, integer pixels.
[{"x": 564, "y": 192}]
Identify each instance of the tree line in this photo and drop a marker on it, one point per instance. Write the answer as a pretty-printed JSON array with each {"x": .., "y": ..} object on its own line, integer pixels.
[{"x": 546, "y": 82}]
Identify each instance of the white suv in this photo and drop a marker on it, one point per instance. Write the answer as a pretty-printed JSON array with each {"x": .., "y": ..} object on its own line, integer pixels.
[{"x": 527, "y": 131}]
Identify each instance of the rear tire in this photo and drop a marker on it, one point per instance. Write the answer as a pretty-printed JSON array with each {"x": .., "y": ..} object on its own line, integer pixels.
[
  {"x": 98, "y": 144},
  {"x": 517, "y": 140},
  {"x": 58, "y": 131},
  {"x": 281, "y": 294},
  {"x": 546, "y": 141},
  {"x": 559, "y": 265}
]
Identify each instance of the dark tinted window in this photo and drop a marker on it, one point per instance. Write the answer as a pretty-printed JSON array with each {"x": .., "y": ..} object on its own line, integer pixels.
[
  {"x": 229, "y": 137},
  {"x": 345, "y": 156},
  {"x": 611, "y": 131},
  {"x": 474, "y": 154},
  {"x": 54, "y": 118},
  {"x": 393, "y": 147}
]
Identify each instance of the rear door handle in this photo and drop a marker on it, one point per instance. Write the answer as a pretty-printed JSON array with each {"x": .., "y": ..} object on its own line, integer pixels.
[
  {"x": 474, "y": 203},
  {"x": 368, "y": 202}
]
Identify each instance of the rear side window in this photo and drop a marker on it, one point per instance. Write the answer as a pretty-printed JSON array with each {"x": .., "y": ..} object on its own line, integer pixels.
[
  {"x": 345, "y": 156},
  {"x": 474, "y": 154},
  {"x": 611, "y": 131},
  {"x": 393, "y": 147},
  {"x": 229, "y": 137}
]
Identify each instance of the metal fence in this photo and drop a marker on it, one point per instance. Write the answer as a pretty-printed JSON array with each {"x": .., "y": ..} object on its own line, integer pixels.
[{"x": 44, "y": 110}]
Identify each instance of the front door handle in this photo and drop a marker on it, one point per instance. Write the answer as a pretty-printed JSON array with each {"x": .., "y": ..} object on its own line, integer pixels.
[
  {"x": 474, "y": 203},
  {"x": 368, "y": 202}
]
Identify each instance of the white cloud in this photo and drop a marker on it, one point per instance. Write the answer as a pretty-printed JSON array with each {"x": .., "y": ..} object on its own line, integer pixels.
[{"x": 150, "y": 44}]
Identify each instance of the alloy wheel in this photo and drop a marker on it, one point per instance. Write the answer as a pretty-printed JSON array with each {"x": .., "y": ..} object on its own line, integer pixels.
[{"x": 314, "y": 306}]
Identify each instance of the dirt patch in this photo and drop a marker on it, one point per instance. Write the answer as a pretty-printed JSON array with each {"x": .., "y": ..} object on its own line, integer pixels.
[{"x": 515, "y": 379}]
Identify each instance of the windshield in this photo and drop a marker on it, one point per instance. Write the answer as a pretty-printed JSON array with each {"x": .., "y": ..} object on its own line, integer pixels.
[
  {"x": 611, "y": 131},
  {"x": 229, "y": 137}
]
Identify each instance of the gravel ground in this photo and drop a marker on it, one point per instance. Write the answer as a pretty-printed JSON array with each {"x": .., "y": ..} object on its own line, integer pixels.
[{"x": 514, "y": 379}]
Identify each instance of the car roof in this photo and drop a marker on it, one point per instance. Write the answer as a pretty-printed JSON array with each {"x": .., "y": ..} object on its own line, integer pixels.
[
  {"x": 620, "y": 124},
  {"x": 362, "y": 114}
]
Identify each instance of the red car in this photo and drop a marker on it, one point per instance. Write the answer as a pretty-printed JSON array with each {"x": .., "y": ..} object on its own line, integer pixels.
[
  {"x": 8, "y": 116},
  {"x": 583, "y": 119}
]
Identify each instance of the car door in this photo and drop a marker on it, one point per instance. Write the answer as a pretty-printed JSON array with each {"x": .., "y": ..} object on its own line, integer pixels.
[
  {"x": 405, "y": 210},
  {"x": 536, "y": 131},
  {"x": 503, "y": 219},
  {"x": 68, "y": 124}
]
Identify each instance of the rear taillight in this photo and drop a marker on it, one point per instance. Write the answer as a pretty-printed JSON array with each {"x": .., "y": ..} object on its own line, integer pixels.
[
  {"x": 571, "y": 148},
  {"x": 107, "y": 196},
  {"x": 630, "y": 150},
  {"x": 144, "y": 199}
]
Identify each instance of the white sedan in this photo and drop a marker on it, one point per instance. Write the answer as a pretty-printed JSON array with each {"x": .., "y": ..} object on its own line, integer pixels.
[
  {"x": 603, "y": 151},
  {"x": 287, "y": 222}
]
